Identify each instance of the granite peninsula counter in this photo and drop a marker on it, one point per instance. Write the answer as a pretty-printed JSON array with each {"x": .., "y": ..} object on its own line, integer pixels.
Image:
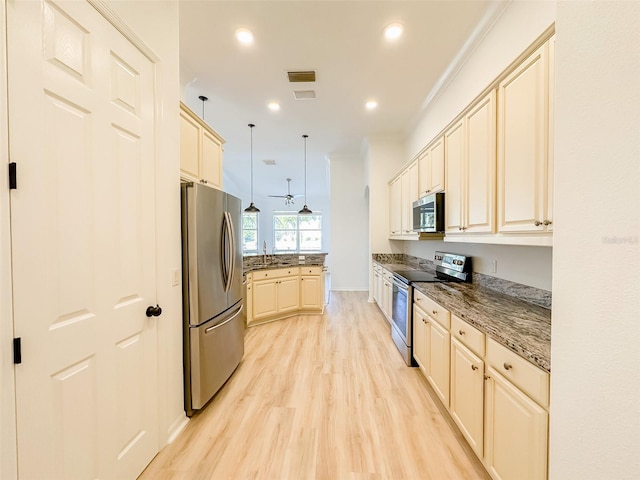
[{"x": 522, "y": 327}]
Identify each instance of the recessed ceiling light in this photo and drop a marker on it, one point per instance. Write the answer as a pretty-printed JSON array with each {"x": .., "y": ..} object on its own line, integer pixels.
[
  {"x": 274, "y": 106},
  {"x": 244, "y": 36},
  {"x": 371, "y": 105},
  {"x": 393, "y": 31}
]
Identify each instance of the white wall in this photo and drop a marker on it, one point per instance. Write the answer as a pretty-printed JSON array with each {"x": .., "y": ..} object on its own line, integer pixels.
[
  {"x": 349, "y": 224},
  {"x": 156, "y": 22},
  {"x": 384, "y": 155},
  {"x": 595, "y": 389},
  {"x": 526, "y": 265}
]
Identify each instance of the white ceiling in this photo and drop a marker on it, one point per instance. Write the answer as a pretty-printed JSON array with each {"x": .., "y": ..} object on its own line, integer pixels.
[{"x": 343, "y": 41}]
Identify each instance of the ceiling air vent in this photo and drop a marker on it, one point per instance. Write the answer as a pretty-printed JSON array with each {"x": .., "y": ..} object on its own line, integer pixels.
[
  {"x": 304, "y": 94},
  {"x": 269, "y": 162},
  {"x": 303, "y": 76}
]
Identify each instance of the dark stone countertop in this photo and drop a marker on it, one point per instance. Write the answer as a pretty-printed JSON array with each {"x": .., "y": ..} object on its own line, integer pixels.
[
  {"x": 252, "y": 263},
  {"x": 523, "y": 327}
]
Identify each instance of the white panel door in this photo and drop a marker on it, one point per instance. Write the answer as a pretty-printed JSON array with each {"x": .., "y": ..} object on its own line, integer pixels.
[{"x": 81, "y": 108}]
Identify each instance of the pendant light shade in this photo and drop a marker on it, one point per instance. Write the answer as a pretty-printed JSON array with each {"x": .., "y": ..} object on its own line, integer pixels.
[
  {"x": 305, "y": 210},
  {"x": 251, "y": 208}
]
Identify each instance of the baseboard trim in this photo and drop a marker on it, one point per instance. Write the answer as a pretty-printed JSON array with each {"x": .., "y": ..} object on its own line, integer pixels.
[{"x": 176, "y": 428}]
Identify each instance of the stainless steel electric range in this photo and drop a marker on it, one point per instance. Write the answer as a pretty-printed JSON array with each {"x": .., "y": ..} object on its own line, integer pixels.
[{"x": 450, "y": 267}]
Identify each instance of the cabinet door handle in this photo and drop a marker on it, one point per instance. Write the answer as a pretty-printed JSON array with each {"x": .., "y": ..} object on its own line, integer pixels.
[
  {"x": 435, "y": 312},
  {"x": 547, "y": 222},
  {"x": 473, "y": 367},
  {"x": 507, "y": 366},
  {"x": 487, "y": 377},
  {"x": 461, "y": 332},
  {"x": 537, "y": 223}
]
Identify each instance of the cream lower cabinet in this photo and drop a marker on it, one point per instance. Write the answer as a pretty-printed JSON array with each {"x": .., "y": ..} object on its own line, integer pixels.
[
  {"x": 437, "y": 344},
  {"x": 387, "y": 293},
  {"x": 516, "y": 432},
  {"x": 516, "y": 418},
  {"x": 275, "y": 292},
  {"x": 467, "y": 394},
  {"x": 498, "y": 400},
  {"x": 311, "y": 288},
  {"x": 375, "y": 284},
  {"x": 421, "y": 339}
]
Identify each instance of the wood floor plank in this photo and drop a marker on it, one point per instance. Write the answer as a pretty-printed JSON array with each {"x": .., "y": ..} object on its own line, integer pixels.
[{"x": 320, "y": 397}]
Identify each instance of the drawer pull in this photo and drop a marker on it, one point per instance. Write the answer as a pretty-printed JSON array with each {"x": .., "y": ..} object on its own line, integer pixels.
[
  {"x": 435, "y": 312},
  {"x": 507, "y": 366},
  {"x": 473, "y": 367},
  {"x": 461, "y": 332},
  {"x": 487, "y": 377}
]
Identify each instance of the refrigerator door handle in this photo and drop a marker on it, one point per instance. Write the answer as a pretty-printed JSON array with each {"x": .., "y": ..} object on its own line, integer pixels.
[
  {"x": 232, "y": 249},
  {"x": 226, "y": 253}
]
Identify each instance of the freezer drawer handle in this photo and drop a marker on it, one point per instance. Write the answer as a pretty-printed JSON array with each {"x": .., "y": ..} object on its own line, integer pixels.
[
  {"x": 154, "y": 311},
  {"x": 225, "y": 322}
]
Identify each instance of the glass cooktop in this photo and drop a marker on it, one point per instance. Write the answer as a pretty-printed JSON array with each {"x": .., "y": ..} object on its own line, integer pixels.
[{"x": 418, "y": 276}]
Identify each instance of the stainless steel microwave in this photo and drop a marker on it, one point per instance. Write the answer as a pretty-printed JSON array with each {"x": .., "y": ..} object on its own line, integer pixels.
[{"x": 428, "y": 213}]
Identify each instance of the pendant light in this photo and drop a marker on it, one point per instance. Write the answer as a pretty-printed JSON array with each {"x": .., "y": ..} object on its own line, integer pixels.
[
  {"x": 305, "y": 210},
  {"x": 251, "y": 208}
]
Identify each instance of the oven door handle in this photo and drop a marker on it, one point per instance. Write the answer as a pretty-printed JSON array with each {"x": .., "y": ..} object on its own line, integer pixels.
[{"x": 400, "y": 284}]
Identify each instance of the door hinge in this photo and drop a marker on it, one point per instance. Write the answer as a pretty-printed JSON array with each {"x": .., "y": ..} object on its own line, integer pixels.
[
  {"x": 13, "y": 176},
  {"x": 17, "y": 350}
]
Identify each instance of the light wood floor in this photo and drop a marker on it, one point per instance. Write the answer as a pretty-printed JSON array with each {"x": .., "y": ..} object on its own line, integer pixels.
[{"x": 320, "y": 397}]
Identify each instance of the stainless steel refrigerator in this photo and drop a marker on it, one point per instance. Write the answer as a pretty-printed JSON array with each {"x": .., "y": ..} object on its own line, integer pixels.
[{"x": 213, "y": 316}]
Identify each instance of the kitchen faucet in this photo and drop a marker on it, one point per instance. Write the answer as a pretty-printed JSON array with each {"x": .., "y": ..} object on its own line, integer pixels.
[{"x": 264, "y": 251}]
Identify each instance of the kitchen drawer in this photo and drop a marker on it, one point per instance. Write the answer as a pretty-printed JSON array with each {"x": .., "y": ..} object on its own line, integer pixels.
[
  {"x": 376, "y": 268},
  {"x": 435, "y": 311},
  {"x": 470, "y": 336},
  {"x": 314, "y": 270},
  {"x": 387, "y": 274},
  {"x": 522, "y": 373},
  {"x": 248, "y": 277},
  {"x": 275, "y": 273}
]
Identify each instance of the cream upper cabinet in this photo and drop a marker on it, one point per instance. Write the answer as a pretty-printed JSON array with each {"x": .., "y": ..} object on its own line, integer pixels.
[
  {"x": 523, "y": 149},
  {"x": 470, "y": 163},
  {"x": 403, "y": 191},
  {"x": 454, "y": 159},
  {"x": 200, "y": 150},
  {"x": 480, "y": 167},
  {"x": 395, "y": 207},
  {"x": 552, "y": 113},
  {"x": 409, "y": 188},
  {"x": 431, "y": 169}
]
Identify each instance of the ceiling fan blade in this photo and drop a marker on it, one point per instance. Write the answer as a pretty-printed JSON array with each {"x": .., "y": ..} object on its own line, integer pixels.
[{"x": 277, "y": 196}]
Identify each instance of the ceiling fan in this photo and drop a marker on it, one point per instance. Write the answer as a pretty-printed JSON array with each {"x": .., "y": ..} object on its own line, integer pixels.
[{"x": 288, "y": 198}]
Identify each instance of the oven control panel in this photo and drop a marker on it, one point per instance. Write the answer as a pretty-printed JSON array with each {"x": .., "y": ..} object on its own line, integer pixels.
[{"x": 452, "y": 263}]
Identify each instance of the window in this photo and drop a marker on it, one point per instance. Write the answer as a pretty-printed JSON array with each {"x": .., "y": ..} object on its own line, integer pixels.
[
  {"x": 297, "y": 233},
  {"x": 250, "y": 232}
]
